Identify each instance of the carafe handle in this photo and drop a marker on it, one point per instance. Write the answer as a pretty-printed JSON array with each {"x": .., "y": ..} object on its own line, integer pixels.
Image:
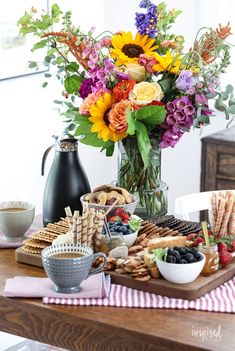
[{"x": 44, "y": 157}]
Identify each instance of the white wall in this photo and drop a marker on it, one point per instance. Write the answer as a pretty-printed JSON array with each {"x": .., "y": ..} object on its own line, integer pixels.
[{"x": 28, "y": 119}]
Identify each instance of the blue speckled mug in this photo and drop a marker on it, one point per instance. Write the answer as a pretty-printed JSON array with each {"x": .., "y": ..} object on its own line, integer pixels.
[{"x": 67, "y": 265}]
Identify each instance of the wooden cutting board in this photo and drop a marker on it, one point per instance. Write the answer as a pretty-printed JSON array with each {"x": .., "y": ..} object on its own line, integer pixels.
[
  {"x": 160, "y": 286},
  {"x": 190, "y": 291},
  {"x": 28, "y": 258}
]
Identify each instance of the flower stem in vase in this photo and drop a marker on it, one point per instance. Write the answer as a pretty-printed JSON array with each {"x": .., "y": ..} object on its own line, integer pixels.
[{"x": 145, "y": 183}]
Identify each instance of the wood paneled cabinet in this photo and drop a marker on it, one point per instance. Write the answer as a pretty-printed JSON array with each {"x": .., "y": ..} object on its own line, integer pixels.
[{"x": 218, "y": 161}]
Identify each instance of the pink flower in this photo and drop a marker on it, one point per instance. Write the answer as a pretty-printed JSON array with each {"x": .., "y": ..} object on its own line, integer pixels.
[{"x": 105, "y": 42}]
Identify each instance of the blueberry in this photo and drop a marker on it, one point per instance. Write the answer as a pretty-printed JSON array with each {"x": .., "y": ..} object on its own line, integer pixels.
[
  {"x": 174, "y": 253},
  {"x": 177, "y": 248},
  {"x": 188, "y": 257},
  {"x": 124, "y": 229},
  {"x": 171, "y": 259},
  {"x": 182, "y": 261}
]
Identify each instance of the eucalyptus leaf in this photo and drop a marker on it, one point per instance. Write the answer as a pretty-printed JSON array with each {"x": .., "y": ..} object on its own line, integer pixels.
[
  {"x": 231, "y": 109},
  {"x": 32, "y": 64},
  {"x": 229, "y": 89}
]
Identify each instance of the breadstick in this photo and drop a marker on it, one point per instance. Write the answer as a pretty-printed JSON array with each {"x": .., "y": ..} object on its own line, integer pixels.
[
  {"x": 214, "y": 210},
  {"x": 220, "y": 214},
  {"x": 228, "y": 210}
]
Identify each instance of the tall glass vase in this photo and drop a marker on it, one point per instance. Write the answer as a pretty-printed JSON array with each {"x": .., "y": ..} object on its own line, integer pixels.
[{"x": 146, "y": 183}]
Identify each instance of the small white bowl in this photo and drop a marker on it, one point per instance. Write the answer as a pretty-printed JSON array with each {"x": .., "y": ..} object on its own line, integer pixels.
[
  {"x": 129, "y": 239},
  {"x": 180, "y": 273}
]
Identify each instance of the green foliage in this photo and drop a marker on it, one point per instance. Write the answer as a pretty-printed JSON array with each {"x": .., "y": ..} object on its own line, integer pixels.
[
  {"x": 143, "y": 142},
  {"x": 72, "y": 84},
  {"x": 159, "y": 254}
]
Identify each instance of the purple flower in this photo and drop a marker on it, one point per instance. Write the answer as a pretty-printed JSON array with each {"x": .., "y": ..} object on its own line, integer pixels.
[
  {"x": 185, "y": 81},
  {"x": 147, "y": 23},
  {"x": 180, "y": 115},
  {"x": 121, "y": 76},
  {"x": 201, "y": 99},
  {"x": 109, "y": 66},
  {"x": 170, "y": 139},
  {"x": 86, "y": 87}
]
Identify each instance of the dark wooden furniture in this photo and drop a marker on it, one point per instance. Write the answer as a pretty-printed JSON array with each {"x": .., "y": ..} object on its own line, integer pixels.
[
  {"x": 218, "y": 161},
  {"x": 107, "y": 328}
]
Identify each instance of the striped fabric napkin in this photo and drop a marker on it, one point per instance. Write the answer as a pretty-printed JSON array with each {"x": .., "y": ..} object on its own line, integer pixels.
[{"x": 221, "y": 299}]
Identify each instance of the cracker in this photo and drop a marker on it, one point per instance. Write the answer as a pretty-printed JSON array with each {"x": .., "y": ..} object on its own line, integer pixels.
[
  {"x": 143, "y": 279},
  {"x": 29, "y": 249},
  {"x": 36, "y": 243}
]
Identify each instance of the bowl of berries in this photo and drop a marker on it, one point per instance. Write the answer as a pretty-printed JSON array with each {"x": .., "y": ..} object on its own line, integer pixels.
[
  {"x": 180, "y": 265},
  {"x": 122, "y": 222}
]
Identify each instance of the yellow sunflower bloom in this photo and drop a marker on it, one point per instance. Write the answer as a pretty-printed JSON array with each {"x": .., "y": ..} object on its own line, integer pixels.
[
  {"x": 167, "y": 63},
  {"x": 99, "y": 117},
  {"x": 127, "y": 49}
]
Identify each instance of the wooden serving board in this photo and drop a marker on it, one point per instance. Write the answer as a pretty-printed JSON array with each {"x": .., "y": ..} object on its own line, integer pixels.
[
  {"x": 159, "y": 286},
  {"x": 28, "y": 258},
  {"x": 190, "y": 291}
]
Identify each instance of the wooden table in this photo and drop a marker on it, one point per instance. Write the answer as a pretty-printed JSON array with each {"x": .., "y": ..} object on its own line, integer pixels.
[{"x": 107, "y": 328}]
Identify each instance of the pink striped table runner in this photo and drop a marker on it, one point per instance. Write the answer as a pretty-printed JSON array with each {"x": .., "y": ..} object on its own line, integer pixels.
[{"x": 221, "y": 299}]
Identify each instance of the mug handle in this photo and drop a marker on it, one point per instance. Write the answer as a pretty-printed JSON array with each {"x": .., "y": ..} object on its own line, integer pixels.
[{"x": 98, "y": 269}]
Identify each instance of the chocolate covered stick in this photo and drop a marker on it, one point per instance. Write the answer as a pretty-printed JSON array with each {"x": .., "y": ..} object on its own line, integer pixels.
[
  {"x": 228, "y": 210},
  {"x": 220, "y": 214},
  {"x": 69, "y": 217},
  {"x": 214, "y": 210},
  {"x": 84, "y": 223},
  {"x": 231, "y": 226},
  {"x": 98, "y": 233},
  {"x": 91, "y": 216}
]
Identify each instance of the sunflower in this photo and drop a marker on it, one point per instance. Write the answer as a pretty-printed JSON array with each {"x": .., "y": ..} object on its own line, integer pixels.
[
  {"x": 167, "y": 63},
  {"x": 99, "y": 117},
  {"x": 128, "y": 50}
]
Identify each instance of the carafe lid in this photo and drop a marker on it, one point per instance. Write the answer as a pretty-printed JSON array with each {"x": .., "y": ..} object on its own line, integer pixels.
[{"x": 65, "y": 143}]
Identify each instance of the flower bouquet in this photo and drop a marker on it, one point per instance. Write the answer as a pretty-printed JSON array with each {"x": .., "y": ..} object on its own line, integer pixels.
[{"x": 143, "y": 90}]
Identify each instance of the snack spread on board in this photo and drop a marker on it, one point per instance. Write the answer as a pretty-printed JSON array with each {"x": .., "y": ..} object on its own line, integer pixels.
[{"x": 144, "y": 249}]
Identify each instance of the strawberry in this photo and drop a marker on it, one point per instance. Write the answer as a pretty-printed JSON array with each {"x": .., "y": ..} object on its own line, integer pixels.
[
  {"x": 112, "y": 219},
  {"x": 225, "y": 258},
  {"x": 231, "y": 247},
  {"x": 125, "y": 216},
  {"x": 198, "y": 241},
  {"x": 120, "y": 212},
  {"x": 191, "y": 236},
  {"x": 222, "y": 247},
  {"x": 125, "y": 221}
]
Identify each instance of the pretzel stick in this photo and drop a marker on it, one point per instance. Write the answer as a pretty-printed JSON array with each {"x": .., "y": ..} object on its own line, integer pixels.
[
  {"x": 220, "y": 215},
  {"x": 214, "y": 210},
  {"x": 231, "y": 227},
  {"x": 69, "y": 217},
  {"x": 111, "y": 207},
  {"x": 90, "y": 226},
  {"x": 228, "y": 210},
  {"x": 84, "y": 223}
]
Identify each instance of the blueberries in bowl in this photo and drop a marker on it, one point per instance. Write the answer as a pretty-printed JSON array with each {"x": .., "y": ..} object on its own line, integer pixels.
[
  {"x": 119, "y": 227},
  {"x": 183, "y": 255}
]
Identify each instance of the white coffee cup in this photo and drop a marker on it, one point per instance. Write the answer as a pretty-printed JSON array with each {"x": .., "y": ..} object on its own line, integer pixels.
[{"x": 15, "y": 219}]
